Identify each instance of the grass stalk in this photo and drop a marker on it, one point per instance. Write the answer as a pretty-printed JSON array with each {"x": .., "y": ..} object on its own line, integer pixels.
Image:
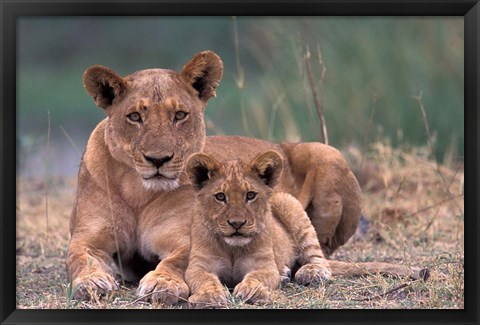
[
  {"x": 446, "y": 189},
  {"x": 321, "y": 78},
  {"x": 70, "y": 139},
  {"x": 273, "y": 114},
  {"x": 117, "y": 246},
  {"x": 318, "y": 102},
  {"x": 240, "y": 76},
  {"x": 47, "y": 164},
  {"x": 301, "y": 68},
  {"x": 367, "y": 131}
]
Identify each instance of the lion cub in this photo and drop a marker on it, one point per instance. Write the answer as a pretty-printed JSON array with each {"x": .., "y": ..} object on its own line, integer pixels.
[{"x": 246, "y": 235}]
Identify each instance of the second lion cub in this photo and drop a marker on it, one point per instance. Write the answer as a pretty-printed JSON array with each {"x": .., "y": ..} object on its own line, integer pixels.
[{"x": 244, "y": 235}]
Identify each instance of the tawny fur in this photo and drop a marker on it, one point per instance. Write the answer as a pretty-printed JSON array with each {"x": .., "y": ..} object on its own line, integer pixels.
[
  {"x": 126, "y": 200},
  {"x": 275, "y": 232},
  {"x": 276, "y": 235},
  {"x": 316, "y": 174},
  {"x": 122, "y": 209}
]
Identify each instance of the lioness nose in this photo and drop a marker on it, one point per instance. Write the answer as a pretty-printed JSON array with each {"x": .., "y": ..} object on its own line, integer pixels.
[
  {"x": 158, "y": 162},
  {"x": 237, "y": 224}
]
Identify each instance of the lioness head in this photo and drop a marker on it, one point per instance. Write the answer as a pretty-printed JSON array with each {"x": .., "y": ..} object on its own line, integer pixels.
[
  {"x": 155, "y": 117},
  {"x": 233, "y": 196}
]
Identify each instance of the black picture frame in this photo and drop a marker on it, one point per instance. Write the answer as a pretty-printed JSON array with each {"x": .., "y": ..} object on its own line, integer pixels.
[{"x": 12, "y": 10}]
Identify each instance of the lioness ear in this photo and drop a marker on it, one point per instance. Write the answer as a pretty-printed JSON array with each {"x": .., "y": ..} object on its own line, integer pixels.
[
  {"x": 204, "y": 72},
  {"x": 103, "y": 85},
  {"x": 200, "y": 169},
  {"x": 268, "y": 167}
]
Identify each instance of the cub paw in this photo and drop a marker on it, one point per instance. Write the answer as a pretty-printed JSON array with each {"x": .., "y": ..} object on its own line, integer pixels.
[
  {"x": 94, "y": 285},
  {"x": 162, "y": 288},
  {"x": 209, "y": 298},
  {"x": 313, "y": 273},
  {"x": 252, "y": 291}
]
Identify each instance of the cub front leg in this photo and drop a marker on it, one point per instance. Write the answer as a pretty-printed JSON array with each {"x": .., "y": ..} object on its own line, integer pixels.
[
  {"x": 289, "y": 212},
  {"x": 256, "y": 286},
  {"x": 261, "y": 276},
  {"x": 316, "y": 271},
  {"x": 205, "y": 288}
]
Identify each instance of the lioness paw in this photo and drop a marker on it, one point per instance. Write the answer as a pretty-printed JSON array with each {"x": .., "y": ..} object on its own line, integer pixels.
[
  {"x": 162, "y": 288},
  {"x": 93, "y": 286},
  {"x": 313, "y": 273},
  {"x": 209, "y": 298},
  {"x": 252, "y": 291}
]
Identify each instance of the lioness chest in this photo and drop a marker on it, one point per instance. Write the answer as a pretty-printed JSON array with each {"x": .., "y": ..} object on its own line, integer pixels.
[{"x": 162, "y": 227}]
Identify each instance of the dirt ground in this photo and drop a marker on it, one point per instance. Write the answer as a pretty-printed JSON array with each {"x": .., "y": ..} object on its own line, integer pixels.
[{"x": 414, "y": 216}]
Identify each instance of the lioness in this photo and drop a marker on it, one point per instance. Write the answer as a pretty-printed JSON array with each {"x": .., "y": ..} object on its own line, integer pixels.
[
  {"x": 247, "y": 236},
  {"x": 131, "y": 178}
]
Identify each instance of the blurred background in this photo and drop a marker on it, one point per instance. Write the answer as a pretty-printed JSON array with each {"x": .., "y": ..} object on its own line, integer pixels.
[{"x": 374, "y": 67}]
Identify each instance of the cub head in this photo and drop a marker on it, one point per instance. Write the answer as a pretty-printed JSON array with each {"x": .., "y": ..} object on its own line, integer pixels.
[
  {"x": 155, "y": 117},
  {"x": 233, "y": 196}
]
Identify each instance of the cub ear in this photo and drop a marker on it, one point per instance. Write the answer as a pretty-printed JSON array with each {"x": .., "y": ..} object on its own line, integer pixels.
[
  {"x": 204, "y": 72},
  {"x": 268, "y": 167},
  {"x": 200, "y": 169},
  {"x": 103, "y": 85}
]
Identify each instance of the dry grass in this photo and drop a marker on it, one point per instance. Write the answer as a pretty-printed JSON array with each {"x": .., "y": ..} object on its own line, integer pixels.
[{"x": 415, "y": 214}]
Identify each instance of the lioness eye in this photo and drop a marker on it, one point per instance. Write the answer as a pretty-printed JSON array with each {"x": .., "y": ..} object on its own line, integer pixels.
[
  {"x": 251, "y": 195},
  {"x": 135, "y": 117},
  {"x": 180, "y": 115},
  {"x": 220, "y": 197}
]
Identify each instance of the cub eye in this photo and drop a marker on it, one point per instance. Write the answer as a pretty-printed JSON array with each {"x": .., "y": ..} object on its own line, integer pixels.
[
  {"x": 251, "y": 195},
  {"x": 135, "y": 117},
  {"x": 220, "y": 197},
  {"x": 180, "y": 115}
]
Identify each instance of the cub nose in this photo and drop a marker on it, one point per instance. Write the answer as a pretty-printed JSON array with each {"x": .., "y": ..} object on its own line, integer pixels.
[
  {"x": 158, "y": 162},
  {"x": 237, "y": 224}
]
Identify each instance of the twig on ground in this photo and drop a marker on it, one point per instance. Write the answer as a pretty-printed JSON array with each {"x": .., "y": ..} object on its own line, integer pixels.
[
  {"x": 424, "y": 274},
  {"x": 383, "y": 294}
]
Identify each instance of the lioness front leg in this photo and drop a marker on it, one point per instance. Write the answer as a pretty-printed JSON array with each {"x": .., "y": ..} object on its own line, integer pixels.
[
  {"x": 90, "y": 263},
  {"x": 166, "y": 283},
  {"x": 90, "y": 270},
  {"x": 97, "y": 234}
]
